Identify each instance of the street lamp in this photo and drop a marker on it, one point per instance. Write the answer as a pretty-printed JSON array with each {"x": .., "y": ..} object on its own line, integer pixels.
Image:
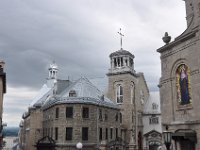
[
  {"x": 79, "y": 145},
  {"x": 167, "y": 139}
]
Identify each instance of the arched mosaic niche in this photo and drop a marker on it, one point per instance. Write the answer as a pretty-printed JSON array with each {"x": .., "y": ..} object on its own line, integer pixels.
[{"x": 183, "y": 87}]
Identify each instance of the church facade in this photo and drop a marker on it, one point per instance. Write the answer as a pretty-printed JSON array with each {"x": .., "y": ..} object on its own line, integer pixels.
[{"x": 180, "y": 82}]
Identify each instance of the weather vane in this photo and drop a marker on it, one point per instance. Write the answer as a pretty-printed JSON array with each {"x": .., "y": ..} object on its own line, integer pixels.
[{"x": 120, "y": 37}]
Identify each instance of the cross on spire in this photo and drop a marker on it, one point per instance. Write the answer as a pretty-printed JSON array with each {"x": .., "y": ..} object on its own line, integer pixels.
[{"x": 120, "y": 37}]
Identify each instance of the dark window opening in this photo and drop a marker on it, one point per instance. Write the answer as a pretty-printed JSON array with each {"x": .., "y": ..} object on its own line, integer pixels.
[
  {"x": 100, "y": 134},
  {"x": 56, "y": 133},
  {"x": 111, "y": 133},
  {"x": 69, "y": 131},
  {"x": 85, "y": 133},
  {"x": 116, "y": 132},
  {"x": 100, "y": 114},
  {"x": 69, "y": 112},
  {"x": 57, "y": 112},
  {"x": 85, "y": 112},
  {"x": 106, "y": 133}
]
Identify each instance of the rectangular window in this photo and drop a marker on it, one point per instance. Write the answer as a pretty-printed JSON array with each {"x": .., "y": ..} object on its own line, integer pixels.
[
  {"x": 56, "y": 133},
  {"x": 111, "y": 133},
  {"x": 85, "y": 133},
  {"x": 57, "y": 112},
  {"x": 51, "y": 132},
  {"x": 85, "y": 112},
  {"x": 100, "y": 134},
  {"x": 69, "y": 112},
  {"x": 48, "y": 132},
  {"x": 116, "y": 133},
  {"x": 153, "y": 120},
  {"x": 106, "y": 133},
  {"x": 69, "y": 132},
  {"x": 100, "y": 114}
]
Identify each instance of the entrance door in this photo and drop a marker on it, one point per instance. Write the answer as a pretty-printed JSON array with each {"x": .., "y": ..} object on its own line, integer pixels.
[
  {"x": 153, "y": 147},
  {"x": 187, "y": 144}
]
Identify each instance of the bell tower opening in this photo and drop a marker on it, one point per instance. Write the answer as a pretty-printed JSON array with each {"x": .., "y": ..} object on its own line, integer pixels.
[{"x": 53, "y": 70}]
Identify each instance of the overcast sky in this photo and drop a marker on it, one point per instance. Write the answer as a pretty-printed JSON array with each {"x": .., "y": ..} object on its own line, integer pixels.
[{"x": 79, "y": 35}]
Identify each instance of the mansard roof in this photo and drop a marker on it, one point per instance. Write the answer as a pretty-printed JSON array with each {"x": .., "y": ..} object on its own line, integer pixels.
[
  {"x": 86, "y": 93},
  {"x": 121, "y": 52},
  {"x": 46, "y": 92}
]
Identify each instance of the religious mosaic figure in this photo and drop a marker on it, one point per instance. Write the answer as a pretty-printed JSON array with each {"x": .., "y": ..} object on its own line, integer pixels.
[{"x": 183, "y": 85}]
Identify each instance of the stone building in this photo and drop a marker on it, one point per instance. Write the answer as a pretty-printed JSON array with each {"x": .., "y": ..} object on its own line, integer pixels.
[
  {"x": 152, "y": 123},
  {"x": 2, "y": 92},
  {"x": 71, "y": 112},
  {"x": 67, "y": 112},
  {"x": 129, "y": 91},
  {"x": 180, "y": 82}
]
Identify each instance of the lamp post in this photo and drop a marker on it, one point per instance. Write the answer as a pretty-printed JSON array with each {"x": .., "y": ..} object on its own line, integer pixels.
[
  {"x": 79, "y": 145},
  {"x": 167, "y": 139}
]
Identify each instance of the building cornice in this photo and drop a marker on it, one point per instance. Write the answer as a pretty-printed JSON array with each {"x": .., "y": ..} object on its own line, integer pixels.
[{"x": 178, "y": 40}]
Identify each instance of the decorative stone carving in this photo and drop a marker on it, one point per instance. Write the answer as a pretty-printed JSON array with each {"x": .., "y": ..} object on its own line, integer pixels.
[{"x": 166, "y": 39}]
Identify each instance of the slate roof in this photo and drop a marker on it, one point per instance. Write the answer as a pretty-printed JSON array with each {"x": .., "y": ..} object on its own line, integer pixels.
[
  {"x": 86, "y": 93},
  {"x": 121, "y": 52}
]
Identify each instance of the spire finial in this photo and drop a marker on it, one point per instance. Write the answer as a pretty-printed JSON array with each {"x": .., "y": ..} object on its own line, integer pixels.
[{"x": 120, "y": 36}]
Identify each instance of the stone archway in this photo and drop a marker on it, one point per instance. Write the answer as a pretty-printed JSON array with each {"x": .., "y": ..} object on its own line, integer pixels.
[
  {"x": 46, "y": 143},
  {"x": 117, "y": 144}
]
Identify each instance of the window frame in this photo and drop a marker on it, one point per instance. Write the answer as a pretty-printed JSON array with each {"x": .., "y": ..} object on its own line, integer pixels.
[
  {"x": 57, "y": 112},
  {"x": 85, "y": 113},
  {"x": 56, "y": 133},
  {"x": 85, "y": 133},
  {"x": 119, "y": 94},
  {"x": 69, "y": 134},
  {"x": 70, "y": 113}
]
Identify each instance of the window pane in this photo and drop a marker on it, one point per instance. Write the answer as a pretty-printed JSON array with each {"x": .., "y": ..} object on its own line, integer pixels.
[
  {"x": 69, "y": 132},
  {"x": 85, "y": 133},
  {"x": 111, "y": 133},
  {"x": 100, "y": 134},
  {"x": 85, "y": 112},
  {"x": 56, "y": 133},
  {"x": 106, "y": 133},
  {"x": 69, "y": 112},
  {"x": 100, "y": 114},
  {"x": 57, "y": 112},
  {"x": 119, "y": 94}
]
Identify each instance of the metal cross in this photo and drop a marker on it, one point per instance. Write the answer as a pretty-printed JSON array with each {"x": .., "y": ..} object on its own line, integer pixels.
[{"x": 120, "y": 37}]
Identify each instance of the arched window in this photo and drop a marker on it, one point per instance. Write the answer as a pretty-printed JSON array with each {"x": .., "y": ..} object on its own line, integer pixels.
[
  {"x": 119, "y": 93},
  {"x": 183, "y": 85}
]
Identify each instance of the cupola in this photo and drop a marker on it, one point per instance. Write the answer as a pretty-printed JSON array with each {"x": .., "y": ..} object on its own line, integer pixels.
[
  {"x": 121, "y": 61},
  {"x": 53, "y": 70}
]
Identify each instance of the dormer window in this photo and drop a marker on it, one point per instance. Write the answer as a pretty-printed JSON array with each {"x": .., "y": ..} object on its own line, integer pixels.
[
  {"x": 119, "y": 93},
  {"x": 72, "y": 93}
]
